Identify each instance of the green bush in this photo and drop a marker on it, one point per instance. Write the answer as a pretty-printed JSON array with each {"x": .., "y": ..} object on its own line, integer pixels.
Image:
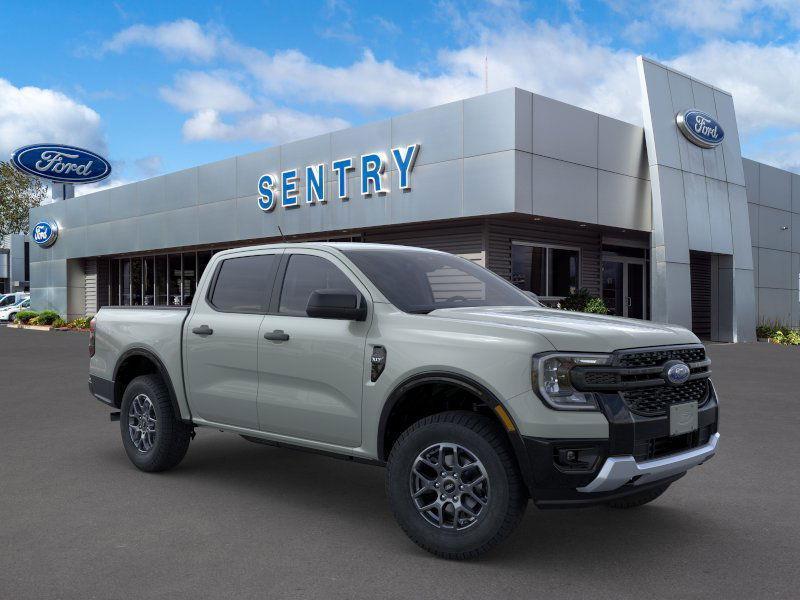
[
  {"x": 79, "y": 323},
  {"x": 779, "y": 333},
  {"x": 24, "y": 316},
  {"x": 59, "y": 322},
  {"x": 583, "y": 301},
  {"x": 46, "y": 317}
]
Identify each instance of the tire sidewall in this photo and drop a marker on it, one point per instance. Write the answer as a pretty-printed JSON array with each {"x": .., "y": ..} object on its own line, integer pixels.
[
  {"x": 400, "y": 463},
  {"x": 143, "y": 385}
]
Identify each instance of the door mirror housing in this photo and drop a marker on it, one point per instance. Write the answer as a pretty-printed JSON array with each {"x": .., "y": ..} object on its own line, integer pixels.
[{"x": 336, "y": 304}]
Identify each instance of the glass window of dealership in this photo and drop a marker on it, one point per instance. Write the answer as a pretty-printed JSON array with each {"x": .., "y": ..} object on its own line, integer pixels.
[{"x": 550, "y": 196}]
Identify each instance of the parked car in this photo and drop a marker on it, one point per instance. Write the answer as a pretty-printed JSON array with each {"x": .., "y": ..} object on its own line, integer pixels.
[
  {"x": 474, "y": 396},
  {"x": 7, "y": 313},
  {"x": 13, "y": 298}
]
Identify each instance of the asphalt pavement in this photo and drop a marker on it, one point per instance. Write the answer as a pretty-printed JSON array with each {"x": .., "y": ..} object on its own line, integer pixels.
[{"x": 240, "y": 520}]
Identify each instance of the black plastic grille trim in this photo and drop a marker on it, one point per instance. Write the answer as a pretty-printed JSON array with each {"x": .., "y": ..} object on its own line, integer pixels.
[
  {"x": 656, "y": 358},
  {"x": 655, "y": 401}
]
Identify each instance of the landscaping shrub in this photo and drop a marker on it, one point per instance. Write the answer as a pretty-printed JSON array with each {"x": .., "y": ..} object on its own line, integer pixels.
[
  {"x": 46, "y": 317},
  {"x": 79, "y": 323},
  {"x": 583, "y": 301},
  {"x": 779, "y": 333},
  {"x": 24, "y": 316}
]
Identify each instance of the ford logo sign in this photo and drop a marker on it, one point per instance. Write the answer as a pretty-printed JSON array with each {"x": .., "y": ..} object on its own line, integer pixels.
[
  {"x": 700, "y": 128},
  {"x": 676, "y": 373},
  {"x": 65, "y": 164},
  {"x": 45, "y": 233}
]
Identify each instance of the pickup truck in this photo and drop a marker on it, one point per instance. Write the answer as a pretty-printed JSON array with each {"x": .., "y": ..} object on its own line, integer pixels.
[{"x": 474, "y": 396}]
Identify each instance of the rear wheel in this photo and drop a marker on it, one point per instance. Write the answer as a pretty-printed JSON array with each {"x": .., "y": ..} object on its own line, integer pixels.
[
  {"x": 454, "y": 486},
  {"x": 154, "y": 437},
  {"x": 640, "y": 499}
]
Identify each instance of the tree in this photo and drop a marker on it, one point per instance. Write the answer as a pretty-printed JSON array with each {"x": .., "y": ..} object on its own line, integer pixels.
[{"x": 18, "y": 194}]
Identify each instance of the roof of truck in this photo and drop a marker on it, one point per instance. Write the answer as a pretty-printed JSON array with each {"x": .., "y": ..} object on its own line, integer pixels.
[{"x": 327, "y": 245}]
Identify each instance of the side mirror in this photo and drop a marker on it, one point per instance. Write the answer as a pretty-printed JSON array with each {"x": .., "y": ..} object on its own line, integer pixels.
[{"x": 336, "y": 304}]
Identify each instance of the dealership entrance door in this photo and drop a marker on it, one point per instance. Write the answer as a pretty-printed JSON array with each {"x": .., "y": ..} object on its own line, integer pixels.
[{"x": 625, "y": 286}]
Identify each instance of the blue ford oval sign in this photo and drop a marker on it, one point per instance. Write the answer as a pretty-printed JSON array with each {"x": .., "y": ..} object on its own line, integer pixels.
[
  {"x": 677, "y": 373},
  {"x": 65, "y": 164},
  {"x": 700, "y": 128},
  {"x": 44, "y": 233}
]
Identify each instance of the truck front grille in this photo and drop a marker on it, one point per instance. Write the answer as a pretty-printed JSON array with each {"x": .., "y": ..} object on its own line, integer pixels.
[
  {"x": 655, "y": 401},
  {"x": 656, "y": 358}
]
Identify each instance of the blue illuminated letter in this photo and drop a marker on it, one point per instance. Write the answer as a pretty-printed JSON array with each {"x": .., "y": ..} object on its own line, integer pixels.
[
  {"x": 372, "y": 167},
  {"x": 404, "y": 158},
  {"x": 315, "y": 184},
  {"x": 341, "y": 167},
  {"x": 289, "y": 188},
  {"x": 266, "y": 193}
]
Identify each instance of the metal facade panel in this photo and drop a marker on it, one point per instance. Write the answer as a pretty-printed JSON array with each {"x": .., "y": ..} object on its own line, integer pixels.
[
  {"x": 180, "y": 189},
  {"x": 796, "y": 193},
  {"x": 719, "y": 212},
  {"x": 774, "y": 268},
  {"x": 216, "y": 181},
  {"x": 250, "y": 167},
  {"x": 524, "y": 121},
  {"x": 439, "y": 131},
  {"x": 489, "y": 123},
  {"x": 660, "y": 132},
  {"x": 623, "y": 201},
  {"x": 771, "y": 232},
  {"x": 152, "y": 194},
  {"x": 436, "y": 194},
  {"x": 752, "y": 210},
  {"x": 751, "y": 179},
  {"x": 713, "y": 159},
  {"x": 682, "y": 96},
  {"x": 775, "y": 305},
  {"x": 564, "y": 132},
  {"x": 740, "y": 226},
  {"x": 731, "y": 149},
  {"x": 564, "y": 190},
  {"x": 697, "y": 217},
  {"x": 489, "y": 183},
  {"x": 775, "y": 187},
  {"x": 621, "y": 148}
]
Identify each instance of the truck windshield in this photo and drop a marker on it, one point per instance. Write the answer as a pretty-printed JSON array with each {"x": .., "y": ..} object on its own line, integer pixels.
[{"x": 418, "y": 281}]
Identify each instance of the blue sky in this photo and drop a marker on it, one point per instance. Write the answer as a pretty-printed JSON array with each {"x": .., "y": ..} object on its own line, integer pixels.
[{"x": 167, "y": 85}]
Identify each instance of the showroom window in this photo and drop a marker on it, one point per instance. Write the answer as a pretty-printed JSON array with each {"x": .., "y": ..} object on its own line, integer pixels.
[{"x": 547, "y": 271}]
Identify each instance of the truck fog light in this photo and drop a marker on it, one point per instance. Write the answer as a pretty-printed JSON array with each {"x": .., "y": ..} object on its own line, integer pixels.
[{"x": 577, "y": 459}]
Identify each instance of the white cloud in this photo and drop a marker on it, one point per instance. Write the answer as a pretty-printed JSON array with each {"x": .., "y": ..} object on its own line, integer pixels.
[
  {"x": 278, "y": 125},
  {"x": 150, "y": 166},
  {"x": 30, "y": 114},
  {"x": 198, "y": 90},
  {"x": 764, "y": 80},
  {"x": 181, "y": 38}
]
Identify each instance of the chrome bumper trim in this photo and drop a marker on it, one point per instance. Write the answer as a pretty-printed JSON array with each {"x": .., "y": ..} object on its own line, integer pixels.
[{"x": 619, "y": 470}]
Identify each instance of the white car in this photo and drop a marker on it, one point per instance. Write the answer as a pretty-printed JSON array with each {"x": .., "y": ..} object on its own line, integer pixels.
[
  {"x": 7, "y": 313},
  {"x": 7, "y": 300}
]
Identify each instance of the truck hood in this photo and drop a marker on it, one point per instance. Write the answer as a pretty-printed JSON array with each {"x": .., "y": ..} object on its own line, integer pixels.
[{"x": 574, "y": 331}]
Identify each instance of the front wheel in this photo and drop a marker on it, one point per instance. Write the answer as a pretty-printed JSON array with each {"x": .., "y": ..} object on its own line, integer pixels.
[
  {"x": 454, "y": 486},
  {"x": 154, "y": 437}
]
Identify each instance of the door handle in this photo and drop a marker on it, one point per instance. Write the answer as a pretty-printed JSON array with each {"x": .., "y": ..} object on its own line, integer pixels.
[
  {"x": 276, "y": 336},
  {"x": 203, "y": 330}
]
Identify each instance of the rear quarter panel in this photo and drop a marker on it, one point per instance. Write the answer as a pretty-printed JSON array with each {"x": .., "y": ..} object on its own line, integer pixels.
[{"x": 158, "y": 331}]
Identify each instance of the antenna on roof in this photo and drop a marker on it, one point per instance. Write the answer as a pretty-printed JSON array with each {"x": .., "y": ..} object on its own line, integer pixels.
[
  {"x": 486, "y": 73},
  {"x": 283, "y": 236}
]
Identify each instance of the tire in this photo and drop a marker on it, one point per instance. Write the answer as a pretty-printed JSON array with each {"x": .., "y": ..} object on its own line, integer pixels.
[
  {"x": 167, "y": 440},
  {"x": 640, "y": 499},
  {"x": 484, "y": 449}
]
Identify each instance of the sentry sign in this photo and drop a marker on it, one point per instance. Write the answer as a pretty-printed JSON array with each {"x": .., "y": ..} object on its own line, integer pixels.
[
  {"x": 700, "y": 128},
  {"x": 285, "y": 188},
  {"x": 64, "y": 164}
]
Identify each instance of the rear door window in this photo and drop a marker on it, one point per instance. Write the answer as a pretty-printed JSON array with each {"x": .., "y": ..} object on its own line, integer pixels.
[{"x": 243, "y": 285}]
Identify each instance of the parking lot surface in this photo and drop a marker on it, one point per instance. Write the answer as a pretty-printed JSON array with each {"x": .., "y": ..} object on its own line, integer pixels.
[{"x": 239, "y": 520}]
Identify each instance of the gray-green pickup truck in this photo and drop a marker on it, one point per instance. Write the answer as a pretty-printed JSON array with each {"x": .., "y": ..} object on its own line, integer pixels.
[{"x": 474, "y": 396}]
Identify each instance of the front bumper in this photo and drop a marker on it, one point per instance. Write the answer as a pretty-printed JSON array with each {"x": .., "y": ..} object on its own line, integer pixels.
[
  {"x": 638, "y": 453},
  {"x": 618, "y": 471}
]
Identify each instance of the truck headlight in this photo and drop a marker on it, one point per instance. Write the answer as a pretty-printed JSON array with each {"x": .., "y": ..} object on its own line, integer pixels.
[{"x": 550, "y": 377}]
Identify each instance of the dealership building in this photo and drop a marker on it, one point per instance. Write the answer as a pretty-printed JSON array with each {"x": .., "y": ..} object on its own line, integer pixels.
[{"x": 662, "y": 223}]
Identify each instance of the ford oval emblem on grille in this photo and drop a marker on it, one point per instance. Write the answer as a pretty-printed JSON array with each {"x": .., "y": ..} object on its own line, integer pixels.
[{"x": 676, "y": 372}]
